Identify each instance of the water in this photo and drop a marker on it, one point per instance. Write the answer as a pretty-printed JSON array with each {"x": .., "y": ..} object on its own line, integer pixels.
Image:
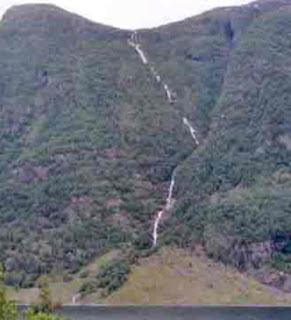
[
  {"x": 191, "y": 129},
  {"x": 168, "y": 93},
  {"x": 133, "y": 42},
  {"x": 175, "y": 312},
  {"x": 169, "y": 201},
  {"x": 138, "y": 49},
  {"x": 156, "y": 225},
  {"x": 168, "y": 206}
]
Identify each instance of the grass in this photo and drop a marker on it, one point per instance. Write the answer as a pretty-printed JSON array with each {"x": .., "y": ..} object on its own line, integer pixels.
[
  {"x": 63, "y": 292},
  {"x": 84, "y": 125},
  {"x": 176, "y": 276}
]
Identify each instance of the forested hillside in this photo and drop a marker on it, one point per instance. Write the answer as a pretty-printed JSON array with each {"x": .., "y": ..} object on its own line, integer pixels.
[{"x": 91, "y": 134}]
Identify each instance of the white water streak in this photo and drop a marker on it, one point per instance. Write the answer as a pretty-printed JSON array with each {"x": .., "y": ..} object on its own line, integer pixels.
[
  {"x": 133, "y": 42},
  {"x": 156, "y": 225},
  {"x": 168, "y": 93},
  {"x": 141, "y": 54},
  {"x": 168, "y": 206},
  {"x": 191, "y": 129},
  {"x": 170, "y": 193},
  {"x": 155, "y": 74},
  {"x": 137, "y": 48}
]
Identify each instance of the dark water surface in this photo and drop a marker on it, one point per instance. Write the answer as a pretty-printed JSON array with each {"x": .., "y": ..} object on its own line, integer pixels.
[{"x": 96, "y": 312}]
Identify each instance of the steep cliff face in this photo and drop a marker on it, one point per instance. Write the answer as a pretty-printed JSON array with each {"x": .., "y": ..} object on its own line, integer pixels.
[
  {"x": 240, "y": 181},
  {"x": 94, "y": 121}
]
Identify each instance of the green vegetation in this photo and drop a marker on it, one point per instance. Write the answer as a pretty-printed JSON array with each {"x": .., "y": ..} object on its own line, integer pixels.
[
  {"x": 88, "y": 141},
  {"x": 7, "y": 307},
  {"x": 180, "y": 276},
  {"x": 31, "y": 315},
  {"x": 236, "y": 190},
  {"x": 110, "y": 278},
  {"x": 41, "y": 311},
  {"x": 44, "y": 308}
]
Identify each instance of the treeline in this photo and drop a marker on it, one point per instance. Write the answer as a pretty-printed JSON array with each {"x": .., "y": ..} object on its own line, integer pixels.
[{"x": 43, "y": 310}]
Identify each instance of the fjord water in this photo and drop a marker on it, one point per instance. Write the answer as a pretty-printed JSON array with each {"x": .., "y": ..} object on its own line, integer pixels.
[{"x": 175, "y": 313}]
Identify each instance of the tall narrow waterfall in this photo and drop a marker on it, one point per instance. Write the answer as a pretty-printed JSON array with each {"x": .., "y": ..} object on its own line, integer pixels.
[
  {"x": 191, "y": 129},
  {"x": 166, "y": 208},
  {"x": 134, "y": 42}
]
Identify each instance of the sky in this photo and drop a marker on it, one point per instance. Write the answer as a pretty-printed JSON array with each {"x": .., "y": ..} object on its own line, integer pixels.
[{"x": 132, "y": 14}]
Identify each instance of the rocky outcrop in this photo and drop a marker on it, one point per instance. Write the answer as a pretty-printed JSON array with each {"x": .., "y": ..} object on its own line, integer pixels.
[
  {"x": 251, "y": 255},
  {"x": 274, "y": 278},
  {"x": 28, "y": 173}
]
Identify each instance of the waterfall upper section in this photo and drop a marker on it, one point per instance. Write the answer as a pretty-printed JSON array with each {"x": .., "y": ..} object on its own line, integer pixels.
[{"x": 171, "y": 98}]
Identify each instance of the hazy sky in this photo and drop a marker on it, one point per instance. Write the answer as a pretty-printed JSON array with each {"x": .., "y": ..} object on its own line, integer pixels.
[{"x": 132, "y": 13}]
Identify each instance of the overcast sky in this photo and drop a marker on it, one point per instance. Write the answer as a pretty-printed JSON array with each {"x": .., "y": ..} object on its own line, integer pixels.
[{"x": 132, "y": 14}]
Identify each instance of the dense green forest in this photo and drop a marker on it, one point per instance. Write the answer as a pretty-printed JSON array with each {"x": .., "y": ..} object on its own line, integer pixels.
[{"x": 88, "y": 140}]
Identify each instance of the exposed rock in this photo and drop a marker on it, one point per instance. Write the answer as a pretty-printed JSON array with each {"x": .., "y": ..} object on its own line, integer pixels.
[
  {"x": 286, "y": 140},
  {"x": 42, "y": 79},
  {"x": 10, "y": 264},
  {"x": 41, "y": 173},
  {"x": 195, "y": 58},
  {"x": 270, "y": 277},
  {"x": 247, "y": 256},
  {"x": 113, "y": 203},
  {"x": 81, "y": 200},
  {"x": 287, "y": 283},
  {"x": 27, "y": 173},
  {"x": 112, "y": 154},
  {"x": 229, "y": 32}
]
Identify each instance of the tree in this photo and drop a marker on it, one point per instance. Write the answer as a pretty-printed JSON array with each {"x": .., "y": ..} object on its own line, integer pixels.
[
  {"x": 43, "y": 309},
  {"x": 8, "y": 309}
]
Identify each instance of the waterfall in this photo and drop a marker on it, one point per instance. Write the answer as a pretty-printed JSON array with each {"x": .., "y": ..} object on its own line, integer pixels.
[
  {"x": 168, "y": 93},
  {"x": 156, "y": 75},
  {"x": 133, "y": 42},
  {"x": 156, "y": 225},
  {"x": 141, "y": 54},
  {"x": 170, "y": 192},
  {"x": 167, "y": 207},
  {"x": 191, "y": 129}
]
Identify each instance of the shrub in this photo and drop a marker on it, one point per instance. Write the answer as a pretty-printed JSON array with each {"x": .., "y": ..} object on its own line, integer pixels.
[{"x": 8, "y": 309}]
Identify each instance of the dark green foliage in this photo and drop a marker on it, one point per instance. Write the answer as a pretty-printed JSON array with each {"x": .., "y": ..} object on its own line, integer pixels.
[
  {"x": 8, "y": 309},
  {"x": 238, "y": 187},
  {"x": 31, "y": 315},
  {"x": 45, "y": 304},
  {"x": 282, "y": 262},
  {"x": 74, "y": 140},
  {"x": 143, "y": 242},
  {"x": 110, "y": 278},
  {"x": 88, "y": 141},
  {"x": 113, "y": 275},
  {"x": 43, "y": 310}
]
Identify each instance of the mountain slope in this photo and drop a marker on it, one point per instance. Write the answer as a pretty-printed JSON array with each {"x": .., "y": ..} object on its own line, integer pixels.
[
  {"x": 186, "y": 278},
  {"x": 91, "y": 135},
  {"x": 82, "y": 160},
  {"x": 242, "y": 178}
]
